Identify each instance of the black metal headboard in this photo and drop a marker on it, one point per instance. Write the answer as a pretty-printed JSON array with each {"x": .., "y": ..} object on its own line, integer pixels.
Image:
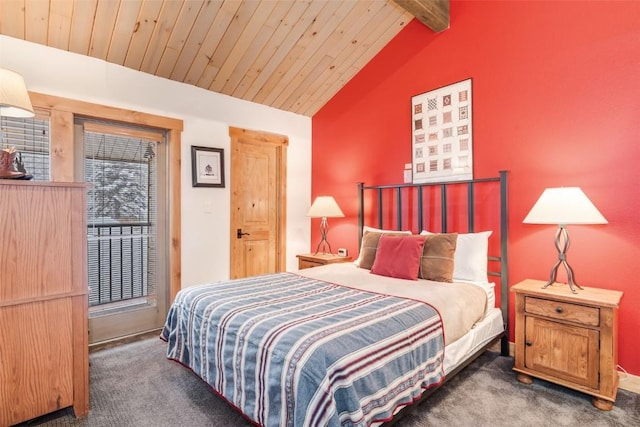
[{"x": 500, "y": 259}]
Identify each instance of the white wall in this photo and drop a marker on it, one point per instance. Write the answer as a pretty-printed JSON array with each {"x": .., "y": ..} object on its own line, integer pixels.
[{"x": 207, "y": 117}]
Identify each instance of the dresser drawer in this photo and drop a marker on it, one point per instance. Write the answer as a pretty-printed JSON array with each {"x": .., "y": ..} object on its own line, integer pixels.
[{"x": 583, "y": 315}]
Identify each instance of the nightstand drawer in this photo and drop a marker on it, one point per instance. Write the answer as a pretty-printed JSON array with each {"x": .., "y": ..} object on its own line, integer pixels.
[
  {"x": 316, "y": 260},
  {"x": 303, "y": 263},
  {"x": 588, "y": 316}
]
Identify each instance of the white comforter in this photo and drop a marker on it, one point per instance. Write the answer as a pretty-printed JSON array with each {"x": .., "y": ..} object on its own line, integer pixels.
[{"x": 460, "y": 305}]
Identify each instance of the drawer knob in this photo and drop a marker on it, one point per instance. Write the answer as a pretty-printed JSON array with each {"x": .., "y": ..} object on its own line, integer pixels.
[
  {"x": 559, "y": 310},
  {"x": 528, "y": 343}
]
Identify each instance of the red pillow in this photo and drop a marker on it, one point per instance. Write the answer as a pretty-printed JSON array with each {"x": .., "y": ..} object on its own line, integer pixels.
[{"x": 398, "y": 256}]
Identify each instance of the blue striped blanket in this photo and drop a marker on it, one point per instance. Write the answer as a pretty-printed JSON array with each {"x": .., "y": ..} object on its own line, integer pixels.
[{"x": 293, "y": 351}]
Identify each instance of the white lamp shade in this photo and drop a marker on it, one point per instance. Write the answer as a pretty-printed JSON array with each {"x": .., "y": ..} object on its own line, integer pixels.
[
  {"x": 564, "y": 205},
  {"x": 14, "y": 98},
  {"x": 325, "y": 206}
]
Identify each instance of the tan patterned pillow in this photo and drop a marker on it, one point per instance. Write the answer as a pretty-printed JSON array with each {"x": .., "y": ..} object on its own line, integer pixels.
[
  {"x": 370, "y": 240},
  {"x": 437, "y": 257}
]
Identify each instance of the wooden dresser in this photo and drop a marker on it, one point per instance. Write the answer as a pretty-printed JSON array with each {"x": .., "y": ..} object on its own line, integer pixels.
[
  {"x": 568, "y": 339},
  {"x": 44, "y": 361}
]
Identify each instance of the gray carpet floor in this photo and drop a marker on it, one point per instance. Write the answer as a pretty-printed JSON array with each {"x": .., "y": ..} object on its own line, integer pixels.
[{"x": 135, "y": 385}]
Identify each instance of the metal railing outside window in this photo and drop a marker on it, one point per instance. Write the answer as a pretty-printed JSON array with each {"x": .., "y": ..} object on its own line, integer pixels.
[{"x": 120, "y": 262}]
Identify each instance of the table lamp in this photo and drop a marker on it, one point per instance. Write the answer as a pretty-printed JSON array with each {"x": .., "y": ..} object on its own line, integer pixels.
[
  {"x": 14, "y": 102},
  {"x": 563, "y": 206},
  {"x": 14, "y": 98},
  {"x": 324, "y": 207}
]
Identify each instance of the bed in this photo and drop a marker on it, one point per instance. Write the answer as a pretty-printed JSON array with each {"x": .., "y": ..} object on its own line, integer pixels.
[{"x": 338, "y": 345}]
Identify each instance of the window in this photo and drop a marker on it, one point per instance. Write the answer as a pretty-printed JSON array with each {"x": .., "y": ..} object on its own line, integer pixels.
[
  {"x": 122, "y": 214},
  {"x": 30, "y": 138}
]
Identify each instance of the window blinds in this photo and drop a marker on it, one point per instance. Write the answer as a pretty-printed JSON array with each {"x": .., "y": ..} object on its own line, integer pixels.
[
  {"x": 30, "y": 137},
  {"x": 122, "y": 214}
]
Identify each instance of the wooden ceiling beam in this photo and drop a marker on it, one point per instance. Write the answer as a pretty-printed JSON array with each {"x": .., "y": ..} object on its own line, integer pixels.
[{"x": 432, "y": 13}]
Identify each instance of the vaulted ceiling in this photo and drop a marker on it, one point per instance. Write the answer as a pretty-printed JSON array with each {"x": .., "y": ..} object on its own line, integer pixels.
[{"x": 289, "y": 54}]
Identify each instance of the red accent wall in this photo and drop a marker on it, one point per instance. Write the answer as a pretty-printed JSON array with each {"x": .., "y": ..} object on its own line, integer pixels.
[{"x": 556, "y": 101}]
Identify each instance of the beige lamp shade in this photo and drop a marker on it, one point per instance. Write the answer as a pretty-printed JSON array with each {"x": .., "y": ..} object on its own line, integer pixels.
[
  {"x": 325, "y": 207},
  {"x": 14, "y": 98},
  {"x": 564, "y": 205}
]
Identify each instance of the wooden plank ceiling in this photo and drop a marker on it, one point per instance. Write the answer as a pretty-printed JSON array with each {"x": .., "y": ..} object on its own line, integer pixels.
[{"x": 289, "y": 54}]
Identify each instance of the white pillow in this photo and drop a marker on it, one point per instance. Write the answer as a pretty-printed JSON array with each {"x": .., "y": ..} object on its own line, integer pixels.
[
  {"x": 470, "y": 258},
  {"x": 375, "y": 230}
]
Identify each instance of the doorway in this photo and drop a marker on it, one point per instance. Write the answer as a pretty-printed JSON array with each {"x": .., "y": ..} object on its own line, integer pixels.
[
  {"x": 258, "y": 202},
  {"x": 126, "y": 227}
]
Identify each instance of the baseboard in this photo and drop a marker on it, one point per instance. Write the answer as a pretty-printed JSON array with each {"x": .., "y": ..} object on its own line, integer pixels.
[
  {"x": 103, "y": 345},
  {"x": 627, "y": 381}
]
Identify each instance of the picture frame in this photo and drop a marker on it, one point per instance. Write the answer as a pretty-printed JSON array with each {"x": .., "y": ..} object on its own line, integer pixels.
[
  {"x": 442, "y": 134},
  {"x": 207, "y": 167}
]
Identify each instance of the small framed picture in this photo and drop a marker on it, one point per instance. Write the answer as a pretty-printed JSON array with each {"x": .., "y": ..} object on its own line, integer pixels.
[{"x": 207, "y": 167}]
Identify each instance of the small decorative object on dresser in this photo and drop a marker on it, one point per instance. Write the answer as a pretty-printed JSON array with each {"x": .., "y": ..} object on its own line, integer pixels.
[
  {"x": 11, "y": 165},
  {"x": 568, "y": 339},
  {"x": 316, "y": 260}
]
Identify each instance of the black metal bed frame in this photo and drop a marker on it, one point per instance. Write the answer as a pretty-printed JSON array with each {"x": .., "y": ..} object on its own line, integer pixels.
[{"x": 501, "y": 258}]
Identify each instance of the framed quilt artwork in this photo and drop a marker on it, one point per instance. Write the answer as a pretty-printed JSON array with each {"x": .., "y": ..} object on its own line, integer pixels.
[{"x": 442, "y": 134}]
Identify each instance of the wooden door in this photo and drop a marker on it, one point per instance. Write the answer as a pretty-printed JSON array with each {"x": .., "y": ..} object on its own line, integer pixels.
[{"x": 258, "y": 186}]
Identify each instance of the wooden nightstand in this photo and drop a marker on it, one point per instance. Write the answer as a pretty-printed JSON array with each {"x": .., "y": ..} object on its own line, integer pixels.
[
  {"x": 311, "y": 260},
  {"x": 568, "y": 339}
]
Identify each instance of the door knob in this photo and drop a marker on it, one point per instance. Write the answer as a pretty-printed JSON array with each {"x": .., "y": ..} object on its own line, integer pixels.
[{"x": 240, "y": 233}]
